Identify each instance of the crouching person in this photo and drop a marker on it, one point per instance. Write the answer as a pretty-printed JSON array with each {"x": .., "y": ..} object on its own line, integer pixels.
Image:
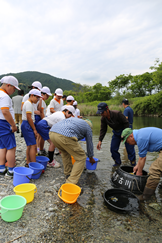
[
  {"x": 44, "y": 126},
  {"x": 65, "y": 135}
]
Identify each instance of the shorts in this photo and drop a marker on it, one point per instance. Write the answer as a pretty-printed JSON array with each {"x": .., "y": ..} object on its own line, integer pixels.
[
  {"x": 8, "y": 141},
  {"x": 43, "y": 129},
  {"x": 37, "y": 119},
  {"x": 28, "y": 133}
]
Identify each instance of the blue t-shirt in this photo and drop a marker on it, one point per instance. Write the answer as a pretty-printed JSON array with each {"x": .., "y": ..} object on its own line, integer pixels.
[
  {"x": 148, "y": 139},
  {"x": 129, "y": 113}
]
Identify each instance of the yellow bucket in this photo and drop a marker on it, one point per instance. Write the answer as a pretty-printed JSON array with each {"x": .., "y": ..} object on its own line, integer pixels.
[
  {"x": 72, "y": 159},
  {"x": 70, "y": 192},
  {"x": 26, "y": 190}
]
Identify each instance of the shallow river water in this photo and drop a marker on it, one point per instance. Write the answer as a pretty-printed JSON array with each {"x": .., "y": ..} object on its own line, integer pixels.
[{"x": 90, "y": 220}]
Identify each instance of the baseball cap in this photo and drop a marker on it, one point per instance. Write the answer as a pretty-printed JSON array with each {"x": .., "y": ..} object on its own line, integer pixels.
[
  {"x": 101, "y": 107},
  {"x": 59, "y": 92},
  {"x": 70, "y": 97},
  {"x": 125, "y": 134},
  {"x": 69, "y": 108},
  {"x": 125, "y": 101},
  {"x": 35, "y": 92},
  {"x": 10, "y": 80},
  {"x": 46, "y": 90},
  {"x": 75, "y": 103},
  {"x": 35, "y": 84}
]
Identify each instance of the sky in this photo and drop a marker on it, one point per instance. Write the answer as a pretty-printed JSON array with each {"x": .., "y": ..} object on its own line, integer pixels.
[{"x": 85, "y": 41}]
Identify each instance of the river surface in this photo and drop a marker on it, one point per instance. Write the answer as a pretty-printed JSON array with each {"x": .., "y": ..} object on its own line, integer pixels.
[{"x": 90, "y": 220}]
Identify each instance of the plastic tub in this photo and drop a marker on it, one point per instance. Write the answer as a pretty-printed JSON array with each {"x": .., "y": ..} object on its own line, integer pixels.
[
  {"x": 22, "y": 175},
  {"x": 12, "y": 207},
  {"x": 26, "y": 190}
]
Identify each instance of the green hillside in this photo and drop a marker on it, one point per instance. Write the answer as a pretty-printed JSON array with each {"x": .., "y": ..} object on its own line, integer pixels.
[{"x": 27, "y": 78}]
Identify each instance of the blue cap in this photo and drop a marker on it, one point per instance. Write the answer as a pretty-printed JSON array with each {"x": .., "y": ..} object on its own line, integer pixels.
[{"x": 101, "y": 107}]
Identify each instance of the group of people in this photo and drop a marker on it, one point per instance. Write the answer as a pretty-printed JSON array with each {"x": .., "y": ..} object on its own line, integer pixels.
[
  {"x": 38, "y": 124},
  {"x": 62, "y": 126}
]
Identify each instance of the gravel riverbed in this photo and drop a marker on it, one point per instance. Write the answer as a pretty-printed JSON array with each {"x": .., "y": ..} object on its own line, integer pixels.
[{"x": 48, "y": 219}]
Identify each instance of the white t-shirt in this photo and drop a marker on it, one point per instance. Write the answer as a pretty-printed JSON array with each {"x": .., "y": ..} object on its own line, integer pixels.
[
  {"x": 54, "y": 118},
  {"x": 77, "y": 112},
  {"x": 26, "y": 97},
  {"x": 5, "y": 103},
  {"x": 28, "y": 108},
  {"x": 54, "y": 104}
]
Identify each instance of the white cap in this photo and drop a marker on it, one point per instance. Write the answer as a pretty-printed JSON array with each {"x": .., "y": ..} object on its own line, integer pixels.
[
  {"x": 46, "y": 90},
  {"x": 10, "y": 80},
  {"x": 37, "y": 84},
  {"x": 69, "y": 108},
  {"x": 59, "y": 92},
  {"x": 35, "y": 92},
  {"x": 70, "y": 97},
  {"x": 75, "y": 103}
]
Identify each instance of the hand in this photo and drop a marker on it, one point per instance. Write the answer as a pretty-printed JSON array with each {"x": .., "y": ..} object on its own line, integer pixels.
[
  {"x": 92, "y": 161},
  {"x": 14, "y": 128},
  {"x": 99, "y": 145},
  {"x": 136, "y": 171},
  {"x": 35, "y": 133}
]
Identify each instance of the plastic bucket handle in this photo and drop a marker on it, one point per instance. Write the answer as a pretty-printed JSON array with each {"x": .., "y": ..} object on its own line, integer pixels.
[{"x": 67, "y": 200}]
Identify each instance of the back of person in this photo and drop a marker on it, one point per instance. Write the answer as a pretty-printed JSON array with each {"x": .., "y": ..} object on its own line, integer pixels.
[{"x": 16, "y": 100}]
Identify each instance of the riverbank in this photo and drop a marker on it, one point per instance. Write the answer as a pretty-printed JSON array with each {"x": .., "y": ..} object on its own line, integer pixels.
[{"x": 48, "y": 219}]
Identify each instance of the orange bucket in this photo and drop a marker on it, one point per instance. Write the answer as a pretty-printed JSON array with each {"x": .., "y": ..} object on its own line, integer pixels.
[
  {"x": 72, "y": 159},
  {"x": 70, "y": 192}
]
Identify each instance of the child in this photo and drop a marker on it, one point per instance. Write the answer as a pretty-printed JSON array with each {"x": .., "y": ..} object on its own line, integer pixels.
[
  {"x": 28, "y": 127},
  {"x": 70, "y": 100},
  {"x": 56, "y": 103},
  {"x": 77, "y": 111},
  {"x": 45, "y": 92},
  {"x": 45, "y": 125},
  {"x": 7, "y": 126}
]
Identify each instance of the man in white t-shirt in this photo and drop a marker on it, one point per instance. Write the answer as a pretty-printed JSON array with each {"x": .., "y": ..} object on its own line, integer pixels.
[{"x": 7, "y": 126}]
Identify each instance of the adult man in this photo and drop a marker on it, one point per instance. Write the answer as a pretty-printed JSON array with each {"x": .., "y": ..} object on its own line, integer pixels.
[
  {"x": 147, "y": 139},
  {"x": 118, "y": 122},
  {"x": 65, "y": 135},
  {"x": 128, "y": 113},
  {"x": 16, "y": 101}
]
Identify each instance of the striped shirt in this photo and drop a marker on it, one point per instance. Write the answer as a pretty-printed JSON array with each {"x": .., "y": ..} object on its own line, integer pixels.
[{"x": 75, "y": 127}]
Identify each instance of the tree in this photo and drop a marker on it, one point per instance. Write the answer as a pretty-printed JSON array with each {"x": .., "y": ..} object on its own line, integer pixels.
[{"x": 157, "y": 75}]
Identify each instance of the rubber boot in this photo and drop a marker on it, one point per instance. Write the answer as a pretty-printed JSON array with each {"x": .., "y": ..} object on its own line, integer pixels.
[{"x": 147, "y": 193}]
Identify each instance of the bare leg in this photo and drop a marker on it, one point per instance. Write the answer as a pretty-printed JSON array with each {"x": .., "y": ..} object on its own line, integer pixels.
[
  {"x": 10, "y": 156},
  {"x": 32, "y": 153},
  {"x": 27, "y": 155},
  {"x": 3, "y": 156}
]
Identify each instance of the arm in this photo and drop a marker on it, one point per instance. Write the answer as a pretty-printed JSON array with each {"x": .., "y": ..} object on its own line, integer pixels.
[
  {"x": 31, "y": 123},
  {"x": 7, "y": 115},
  {"x": 103, "y": 131},
  {"x": 41, "y": 109},
  {"x": 139, "y": 167}
]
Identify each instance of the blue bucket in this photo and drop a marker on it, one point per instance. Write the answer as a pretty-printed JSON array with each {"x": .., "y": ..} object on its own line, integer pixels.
[
  {"x": 37, "y": 168},
  {"x": 42, "y": 160},
  {"x": 89, "y": 166},
  {"x": 21, "y": 175},
  {"x": 84, "y": 139}
]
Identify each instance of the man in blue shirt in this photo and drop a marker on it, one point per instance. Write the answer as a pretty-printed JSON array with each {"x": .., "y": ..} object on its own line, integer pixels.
[
  {"x": 128, "y": 113},
  {"x": 147, "y": 139},
  {"x": 65, "y": 136}
]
